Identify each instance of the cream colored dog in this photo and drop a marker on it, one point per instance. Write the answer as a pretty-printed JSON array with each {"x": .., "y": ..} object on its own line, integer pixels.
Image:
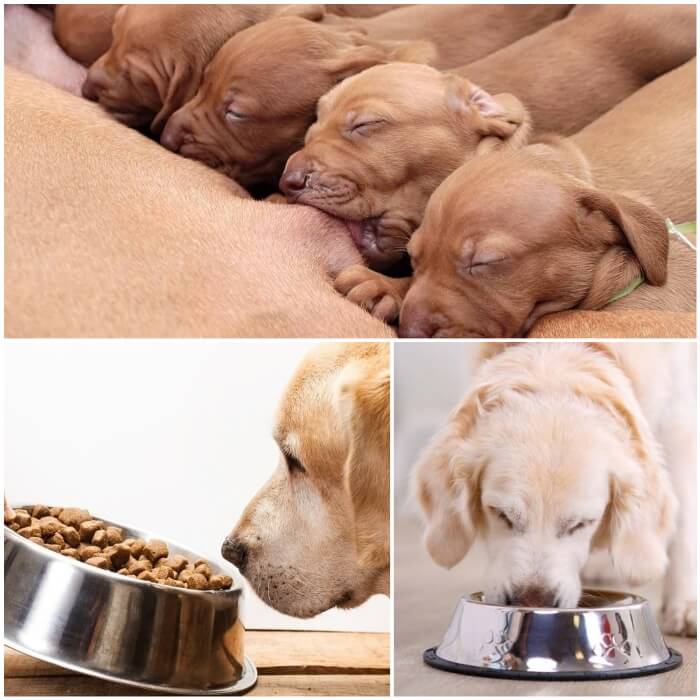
[
  {"x": 560, "y": 449},
  {"x": 317, "y": 534}
]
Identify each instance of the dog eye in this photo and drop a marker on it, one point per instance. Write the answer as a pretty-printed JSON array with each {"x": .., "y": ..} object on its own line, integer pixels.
[
  {"x": 479, "y": 264},
  {"x": 363, "y": 128},
  {"x": 503, "y": 518},
  {"x": 233, "y": 116},
  {"x": 578, "y": 526},
  {"x": 293, "y": 464}
]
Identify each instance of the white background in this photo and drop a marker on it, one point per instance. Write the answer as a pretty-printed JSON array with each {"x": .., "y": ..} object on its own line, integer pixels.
[{"x": 170, "y": 437}]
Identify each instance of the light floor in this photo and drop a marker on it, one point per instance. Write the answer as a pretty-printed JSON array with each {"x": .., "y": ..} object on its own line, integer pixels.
[{"x": 425, "y": 596}]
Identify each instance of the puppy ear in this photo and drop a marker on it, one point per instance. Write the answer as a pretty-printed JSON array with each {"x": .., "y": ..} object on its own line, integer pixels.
[
  {"x": 447, "y": 483},
  {"x": 310, "y": 12},
  {"x": 500, "y": 121},
  {"x": 641, "y": 514},
  {"x": 411, "y": 51},
  {"x": 180, "y": 89},
  {"x": 362, "y": 394},
  {"x": 638, "y": 241}
]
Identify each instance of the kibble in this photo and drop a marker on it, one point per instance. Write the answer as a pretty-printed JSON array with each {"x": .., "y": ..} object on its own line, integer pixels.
[{"x": 74, "y": 533}]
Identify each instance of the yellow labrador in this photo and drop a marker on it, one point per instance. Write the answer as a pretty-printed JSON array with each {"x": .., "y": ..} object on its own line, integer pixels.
[{"x": 316, "y": 536}]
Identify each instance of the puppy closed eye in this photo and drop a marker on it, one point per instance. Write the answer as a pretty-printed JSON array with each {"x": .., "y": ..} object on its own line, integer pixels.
[
  {"x": 365, "y": 126},
  {"x": 235, "y": 116},
  {"x": 481, "y": 262}
]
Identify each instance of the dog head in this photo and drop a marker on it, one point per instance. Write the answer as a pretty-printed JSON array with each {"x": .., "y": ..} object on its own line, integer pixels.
[
  {"x": 317, "y": 534},
  {"x": 259, "y": 95},
  {"x": 508, "y": 238},
  {"x": 383, "y": 142},
  {"x": 159, "y": 52},
  {"x": 546, "y": 457}
]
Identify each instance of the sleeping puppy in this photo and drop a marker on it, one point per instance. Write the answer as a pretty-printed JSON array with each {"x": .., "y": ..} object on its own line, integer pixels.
[
  {"x": 561, "y": 449},
  {"x": 259, "y": 93},
  {"x": 84, "y": 32},
  {"x": 159, "y": 52},
  {"x": 383, "y": 142},
  {"x": 566, "y": 224},
  {"x": 317, "y": 534}
]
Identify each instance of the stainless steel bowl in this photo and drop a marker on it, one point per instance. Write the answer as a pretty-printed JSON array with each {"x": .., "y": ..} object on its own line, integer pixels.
[
  {"x": 614, "y": 636},
  {"x": 123, "y": 629}
]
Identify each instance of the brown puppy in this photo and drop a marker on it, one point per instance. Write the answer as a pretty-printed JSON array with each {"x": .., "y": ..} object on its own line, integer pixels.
[
  {"x": 316, "y": 535},
  {"x": 589, "y": 61},
  {"x": 84, "y": 32},
  {"x": 417, "y": 137},
  {"x": 461, "y": 33},
  {"x": 516, "y": 235},
  {"x": 385, "y": 139},
  {"x": 259, "y": 93},
  {"x": 159, "y": 52},
  {"x": 361, "y": 10},
  {"x": 92, "y": 248}
]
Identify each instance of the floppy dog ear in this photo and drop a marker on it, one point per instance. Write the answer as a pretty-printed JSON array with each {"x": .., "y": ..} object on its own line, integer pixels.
[
  {"x": 641, "y": 513},
  {"x": 500, "y": 121},
  {"x": 638, "y": 241},
  {"x": 447, "y": 482},
  {"x": 362, "y": 396},
  {"x": 180, "y": 89},
  {"x": 356, "y": 52}
]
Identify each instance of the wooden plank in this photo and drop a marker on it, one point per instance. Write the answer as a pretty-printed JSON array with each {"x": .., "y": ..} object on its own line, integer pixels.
[
  {"x": 79, "y": 685},
  {"x": 273, "y": 652}
]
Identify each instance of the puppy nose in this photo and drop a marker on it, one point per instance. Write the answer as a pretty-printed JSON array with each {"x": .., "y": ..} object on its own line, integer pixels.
[
  {"x": 533, "y": 597},
  {"x": 235, "y": 551},
  {"x": 173, "y": 135},
  {"x": 294, "y": 181},
  {"x": 96, "y": 81},
  {"x": 417, "y": 326}
]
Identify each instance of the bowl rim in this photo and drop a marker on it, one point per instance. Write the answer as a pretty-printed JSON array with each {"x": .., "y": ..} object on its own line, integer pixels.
[
  {"x": 236, "y": 589},
  {"x": 635, "y": 601}
]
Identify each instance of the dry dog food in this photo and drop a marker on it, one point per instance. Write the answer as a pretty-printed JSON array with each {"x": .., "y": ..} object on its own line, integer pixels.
[{"x": 75, "y": 533}]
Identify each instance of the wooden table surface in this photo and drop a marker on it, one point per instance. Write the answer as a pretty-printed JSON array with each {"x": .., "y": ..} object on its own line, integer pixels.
[{"x": 288, "y": 663}]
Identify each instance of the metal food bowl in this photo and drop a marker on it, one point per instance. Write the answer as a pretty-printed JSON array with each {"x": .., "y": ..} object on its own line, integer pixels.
[
  {"x": 614, "y": 636},
  {"x": 123, "y": 629}
]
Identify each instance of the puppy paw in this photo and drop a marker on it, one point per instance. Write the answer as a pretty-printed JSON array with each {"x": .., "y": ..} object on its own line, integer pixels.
[
  {"x": 370, "y": 290},
  {"x": 680, "y": 617}
]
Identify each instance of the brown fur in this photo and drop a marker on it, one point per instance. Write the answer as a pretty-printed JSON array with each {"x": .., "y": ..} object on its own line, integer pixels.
[
  {"x": 94, "y": 249},
  {"x": 589, "y": 61},
  {"x": 333, "y": 419},
  {"x": 84, "y": 32},
  {"x": 271, "y": 74},
  {"x": 159, "y": 53},
  {"x": 462, "y": 33},
  {"x": 564, "y": 242}
]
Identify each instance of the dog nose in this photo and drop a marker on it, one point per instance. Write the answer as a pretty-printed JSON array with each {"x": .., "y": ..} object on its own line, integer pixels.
[
  {"x": 235, "y": 551},
  {"x": 417, "y": 325},
  {"x": 533, "y": 597},
  {"x": 294, "y": 182},
  {"x": 96, "y": 81},
  {"x": 173, "y": 135}
]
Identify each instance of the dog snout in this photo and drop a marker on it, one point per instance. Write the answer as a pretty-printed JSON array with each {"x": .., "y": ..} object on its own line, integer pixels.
[
  {"x": 294, "y": 181},
  {"x": 96, "y": 81},
  {"x": 235, "y": 551},
  {"x": 533, "y": 597},
  {"x": 173, "y": 135}
]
